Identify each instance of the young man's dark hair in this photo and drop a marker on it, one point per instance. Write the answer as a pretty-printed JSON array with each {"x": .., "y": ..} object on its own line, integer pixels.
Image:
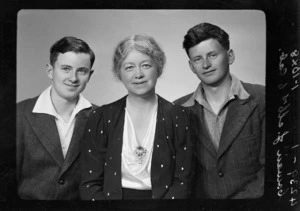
[
  {"x": 70, "y": 44},
  {"x": 205, "y": 31}
]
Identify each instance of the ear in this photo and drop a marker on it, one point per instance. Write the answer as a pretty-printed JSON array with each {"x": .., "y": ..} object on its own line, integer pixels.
[
  {"x": 91, "y": 73},
  {"x": 192, "y": 67},
  {"x": 231, "y": 56},
  {"x": 49, "y": 70}
]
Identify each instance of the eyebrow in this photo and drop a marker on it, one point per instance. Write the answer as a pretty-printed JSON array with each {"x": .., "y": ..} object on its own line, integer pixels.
[
  {"x": 210, "y": 52},
  {"x": 195, "y": 57},
  {"x": 127, "y": 63},
  {"x": 65, "y": 65},
  {"x": 146, "y": 60},
  {"x": 83, "y": 68}
]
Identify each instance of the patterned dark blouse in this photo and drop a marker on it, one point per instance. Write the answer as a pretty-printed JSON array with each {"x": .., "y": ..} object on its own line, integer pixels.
[{"x": 172, "y": 161}]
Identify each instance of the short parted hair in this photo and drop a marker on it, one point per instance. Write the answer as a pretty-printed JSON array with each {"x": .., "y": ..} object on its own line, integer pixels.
[
  {"x": 202, "y": 32},
  {"x": 143, "y": 44},
  {"x": 67, "y": 44}
]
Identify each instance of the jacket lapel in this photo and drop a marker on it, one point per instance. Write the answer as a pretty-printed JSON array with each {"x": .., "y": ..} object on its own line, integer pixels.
[
  {"x": 159, "y": 137},
  {"x": 45, "y": 129},
  {"x": 203, "y": 137},
  {"x": 237, "y": 115},
  {"x": 74, "y": 148}
]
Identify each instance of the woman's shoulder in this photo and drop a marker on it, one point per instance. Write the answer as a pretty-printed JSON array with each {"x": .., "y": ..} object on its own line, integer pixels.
[
  {"x": 173, "y": 108},
  {"x": 108, "y": 109},
  {"x": 112, "y": 106}
]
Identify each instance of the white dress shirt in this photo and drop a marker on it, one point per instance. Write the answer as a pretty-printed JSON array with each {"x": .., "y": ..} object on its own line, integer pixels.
[{"x": 65, "y": 129}]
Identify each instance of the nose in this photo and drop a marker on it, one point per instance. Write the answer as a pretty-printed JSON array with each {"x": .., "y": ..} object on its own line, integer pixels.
[
  {"x": 206, "y": 63},
  {"x": 139, "y": 73},
  {"x": 73, "y": 76}
]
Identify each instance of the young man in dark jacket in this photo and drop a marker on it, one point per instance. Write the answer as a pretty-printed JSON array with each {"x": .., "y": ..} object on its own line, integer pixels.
[{"x": 231, "y": 145}]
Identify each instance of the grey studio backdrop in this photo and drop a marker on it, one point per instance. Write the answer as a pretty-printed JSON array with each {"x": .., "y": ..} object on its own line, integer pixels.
[{"x": 37, "y": 30}]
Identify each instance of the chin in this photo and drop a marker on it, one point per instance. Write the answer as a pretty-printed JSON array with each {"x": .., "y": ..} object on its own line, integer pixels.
[
  {"x": 72, "y": 97},
  {"x": 140, "y": 94}
]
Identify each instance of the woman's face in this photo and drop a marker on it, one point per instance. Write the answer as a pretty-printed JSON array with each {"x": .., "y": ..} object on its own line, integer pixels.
[{"x": 139, "y": 74}]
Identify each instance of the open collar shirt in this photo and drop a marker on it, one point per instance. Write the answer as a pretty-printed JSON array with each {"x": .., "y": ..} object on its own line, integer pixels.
[
  {"x": 215, "y": 122},
  {"x": 65, "y": 129}
]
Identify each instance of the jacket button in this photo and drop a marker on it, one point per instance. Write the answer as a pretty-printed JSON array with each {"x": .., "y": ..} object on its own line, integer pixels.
[
  {"x": 221, "y": 174},
  {"x": 61, "y": 181}
]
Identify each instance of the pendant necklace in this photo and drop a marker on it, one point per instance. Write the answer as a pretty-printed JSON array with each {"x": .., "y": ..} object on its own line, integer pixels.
[{"x": 140, "y": 153}]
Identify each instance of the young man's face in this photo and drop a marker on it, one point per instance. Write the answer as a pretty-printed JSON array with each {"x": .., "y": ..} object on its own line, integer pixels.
[
  {"x": 210, "y": 62},
  {"x": 70, "y": 74}
]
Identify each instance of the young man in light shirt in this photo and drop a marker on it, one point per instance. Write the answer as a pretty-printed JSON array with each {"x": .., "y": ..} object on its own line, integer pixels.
[
  {"x": 231, "y": 145},
  {"x": 50, "y": 126}
]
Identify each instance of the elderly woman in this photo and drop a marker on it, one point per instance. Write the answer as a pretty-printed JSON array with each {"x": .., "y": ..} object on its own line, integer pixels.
[{"x": 140, "y": 146}]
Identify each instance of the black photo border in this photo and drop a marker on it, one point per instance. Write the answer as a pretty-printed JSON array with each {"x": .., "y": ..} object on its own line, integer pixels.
[{"x": 282, "y": 118}]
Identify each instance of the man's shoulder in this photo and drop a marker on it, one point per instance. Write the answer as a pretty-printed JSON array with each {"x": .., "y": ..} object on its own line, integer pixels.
[
  {"x": 183, "y": 100},
  {"x": 256, "y": 91},
  {"x": 26, "y": 105}
]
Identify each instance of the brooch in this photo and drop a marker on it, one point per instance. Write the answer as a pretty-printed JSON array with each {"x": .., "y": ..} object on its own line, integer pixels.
[{"x": 140, "y": 153}]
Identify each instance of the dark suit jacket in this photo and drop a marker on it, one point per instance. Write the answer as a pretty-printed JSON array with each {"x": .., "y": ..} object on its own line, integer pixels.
[
  {"x": 42, "y": 171},
  {"x": 171, "y": 168},
  {"x": 237, "y": 169}
]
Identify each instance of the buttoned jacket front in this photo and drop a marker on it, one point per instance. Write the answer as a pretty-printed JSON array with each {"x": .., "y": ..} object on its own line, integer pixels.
[
  {"x": 171, "y": 168},
  {"x": 237, "y": 169},
  {"x": 42, "y": 171}
]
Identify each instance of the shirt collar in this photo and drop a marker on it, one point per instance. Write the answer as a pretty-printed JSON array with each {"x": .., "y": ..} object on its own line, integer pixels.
[
  {"x": 44, "y": 104},
  {"x": 236, "y": 90}
]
